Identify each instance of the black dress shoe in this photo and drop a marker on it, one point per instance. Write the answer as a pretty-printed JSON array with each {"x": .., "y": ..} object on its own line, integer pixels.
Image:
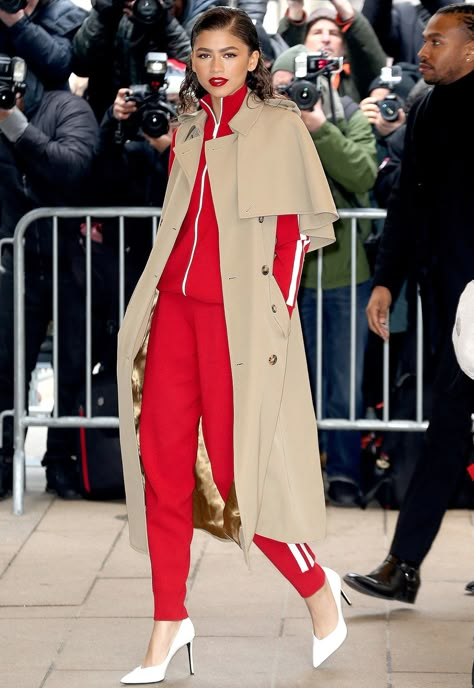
[
  {"x": 470, "y": 587},
  {"x": 6, "y": 476},
  {"x": 62, "y": 478},
  {"x": 343, "y": 493},
  {"x": 394, "y": 579}
]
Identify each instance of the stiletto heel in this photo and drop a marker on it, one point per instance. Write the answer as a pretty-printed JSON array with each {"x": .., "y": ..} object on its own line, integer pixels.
[
  {"x": 346, "y": 598},
  {"x": 324, "y": 648},
  {"x": 190, "y": 658},
  {"x": 156, "y": 674}
]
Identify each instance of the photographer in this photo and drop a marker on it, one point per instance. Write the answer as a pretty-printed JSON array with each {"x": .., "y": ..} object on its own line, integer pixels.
[
  {"x": 131, "y": 169},
  {"x": 346, "y": 146},
  {"x": 47, "y": 143},
  {"x": 111, "y": 45},
  {"x": 336, "y": 28},
  {"x": 385, "y": 105},
  {"x": 41, "y": 32}
]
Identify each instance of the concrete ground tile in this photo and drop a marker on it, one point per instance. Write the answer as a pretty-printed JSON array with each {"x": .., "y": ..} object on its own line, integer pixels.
[
  {"x": 125, "y": 561},
  {"x": 111, "y": 644},
  {"x": 343, "y": 669},
  {"x": 216, "y": 589},
  {"x": 26, "y": 591},
  {"x": 237, "y": 625},
  {"x": 84, "y": 516},
  {"x": 35, "y": 505},
  {"x": 434, "y": 680},
  {"x": 23, "y": 677},
  {"x": 63, "y": 576},
  {"x": 119, "y": 597},
  {"x": 30, "y": 643},
  {"x": 360, "y": 557},
  {"x": 39, "y": 612},
  {"x": 293, "y": 666},
  {"x": 426, "y": 646},
  {"x": 223, "y": 662},
  {"x": 359, "y": 663},
  {"x": 441, "y": 601},
  {"x": 83, "y": 679}
]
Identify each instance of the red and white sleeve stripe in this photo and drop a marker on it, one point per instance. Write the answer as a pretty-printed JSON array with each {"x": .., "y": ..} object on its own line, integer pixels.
[{"x": 290, "y": 250}]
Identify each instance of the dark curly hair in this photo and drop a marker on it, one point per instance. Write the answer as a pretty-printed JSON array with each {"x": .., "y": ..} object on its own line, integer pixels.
[
  {"x": 465, "y": 12},
  {"x": 241, "y": 26}
]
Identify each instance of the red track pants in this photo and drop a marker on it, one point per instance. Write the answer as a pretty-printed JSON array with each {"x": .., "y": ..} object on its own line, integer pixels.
[{"x": 188, "y": 377}]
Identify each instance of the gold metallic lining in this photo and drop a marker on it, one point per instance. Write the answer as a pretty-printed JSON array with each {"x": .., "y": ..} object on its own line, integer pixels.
[{"x": 209, "y": 510}]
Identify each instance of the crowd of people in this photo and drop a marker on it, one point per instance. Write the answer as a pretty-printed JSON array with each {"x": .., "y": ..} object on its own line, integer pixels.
[
  {"x": 353, "y": 104},
  {"x": 382, "y": 95}
]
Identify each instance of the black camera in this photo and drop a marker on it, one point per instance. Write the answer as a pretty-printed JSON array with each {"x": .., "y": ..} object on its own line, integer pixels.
[
  {"x": 390, "y": 105},
  {"x": 305, "y": 89},
  {"x": 153, "y": 110},
  {"x": 147, "y": 12},
  {"x": 12, "y": 80},
  {"x": 12, "y": 6}
]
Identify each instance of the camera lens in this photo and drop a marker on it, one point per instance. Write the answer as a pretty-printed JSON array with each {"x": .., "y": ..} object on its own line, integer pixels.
[
  {"x": 304, "y": 94},
  {"x": 148, "y": 11},
  {"x": 7, "y": 98},
  {"x": 155, "y": 123},
  {"x": 389, "y": 109}
]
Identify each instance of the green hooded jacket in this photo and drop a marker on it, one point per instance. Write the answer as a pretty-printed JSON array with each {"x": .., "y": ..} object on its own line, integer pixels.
[{"x": 349, "y": 158}]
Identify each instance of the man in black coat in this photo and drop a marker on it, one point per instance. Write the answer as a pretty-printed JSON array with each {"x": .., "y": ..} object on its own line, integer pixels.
[
  {"x": 429, "y": 228},
  {"x": 47, "y": 146}
]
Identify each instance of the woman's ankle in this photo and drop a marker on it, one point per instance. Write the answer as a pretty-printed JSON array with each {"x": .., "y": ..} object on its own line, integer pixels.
[
  {"x": 160, "y": 642},
  {"x": 323, "y": 611}
]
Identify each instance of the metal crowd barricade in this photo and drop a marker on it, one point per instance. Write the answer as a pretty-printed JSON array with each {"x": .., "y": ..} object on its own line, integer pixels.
[
  {"x": 353, "y": 423},
  {"x": 21, "y": 418}
]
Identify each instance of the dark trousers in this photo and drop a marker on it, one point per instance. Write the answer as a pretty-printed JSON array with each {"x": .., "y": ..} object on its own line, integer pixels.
[
  {"x": 38, "y": 314},
  {"x": 444, "y": 458}
]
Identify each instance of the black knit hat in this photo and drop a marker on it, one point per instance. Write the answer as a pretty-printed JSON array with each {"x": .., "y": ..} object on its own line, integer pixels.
[
  {"x": 410, "y": 76},
  {"x": 323, "y": 10}
]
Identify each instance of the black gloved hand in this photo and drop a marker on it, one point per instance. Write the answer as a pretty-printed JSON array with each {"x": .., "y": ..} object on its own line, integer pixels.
[{"x": 109, "y": 10}]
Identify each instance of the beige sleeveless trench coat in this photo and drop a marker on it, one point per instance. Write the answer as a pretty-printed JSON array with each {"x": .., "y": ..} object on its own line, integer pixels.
[{"x": 267, "y": 167}]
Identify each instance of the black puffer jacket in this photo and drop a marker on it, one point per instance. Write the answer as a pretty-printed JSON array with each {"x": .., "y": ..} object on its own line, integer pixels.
[
  {"x": 111, "y": 49},
  {"x": 44, "y": 40},
  {"x": 49, "y": 165}
]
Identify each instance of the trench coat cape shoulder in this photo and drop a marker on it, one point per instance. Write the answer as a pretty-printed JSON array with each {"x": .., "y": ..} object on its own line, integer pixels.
[{"x": 268, "y": 166}]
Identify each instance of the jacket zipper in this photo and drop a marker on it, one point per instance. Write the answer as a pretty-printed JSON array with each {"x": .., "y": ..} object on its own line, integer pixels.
[{"x": 201, "y": 196}]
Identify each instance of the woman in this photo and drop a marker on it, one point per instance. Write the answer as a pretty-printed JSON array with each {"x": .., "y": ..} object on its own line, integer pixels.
[{"x": 246, "y": 198}]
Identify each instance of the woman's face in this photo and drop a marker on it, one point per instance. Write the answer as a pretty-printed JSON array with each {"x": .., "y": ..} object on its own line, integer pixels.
[{"x": 221, "y": 62}]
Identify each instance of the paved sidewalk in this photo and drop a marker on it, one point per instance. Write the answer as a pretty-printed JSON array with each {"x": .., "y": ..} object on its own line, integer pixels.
[{"x": 75, "y": 606}]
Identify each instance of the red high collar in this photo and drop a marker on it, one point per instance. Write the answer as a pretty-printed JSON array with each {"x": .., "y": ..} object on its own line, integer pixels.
[{"x": 230, "y": 105}]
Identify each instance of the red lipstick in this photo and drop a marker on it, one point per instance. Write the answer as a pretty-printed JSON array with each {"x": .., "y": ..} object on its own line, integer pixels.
[{"x": 217, "y": 81}]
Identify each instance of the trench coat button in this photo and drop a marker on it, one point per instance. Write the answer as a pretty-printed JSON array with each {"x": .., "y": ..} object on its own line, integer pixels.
[
  {"x": 265, "y": 269},
  {"x": 260, "y": 219},
  {"x": 273, "y": 359},
  {"x": 274, "y": 308}
]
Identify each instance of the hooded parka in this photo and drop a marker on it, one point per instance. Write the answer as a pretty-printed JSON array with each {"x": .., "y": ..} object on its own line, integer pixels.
[{"x": 267, "y": 167}]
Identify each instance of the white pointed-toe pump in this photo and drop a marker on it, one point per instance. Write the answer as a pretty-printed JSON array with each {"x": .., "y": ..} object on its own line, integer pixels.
[
  {"x": 324, "y": 648},
  {"x": 156, "y": 674}
]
